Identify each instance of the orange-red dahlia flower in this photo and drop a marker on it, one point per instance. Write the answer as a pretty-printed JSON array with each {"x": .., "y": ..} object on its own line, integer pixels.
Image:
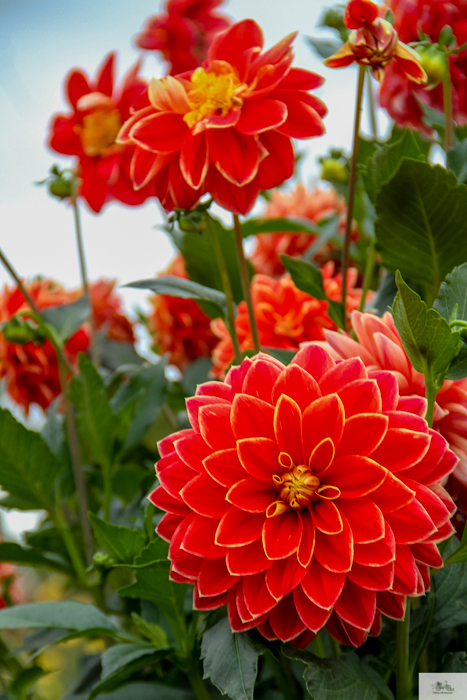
[
  {"x": 90, "y": 130},
  {"x": 374, "y": 42},
  {"x": 285, "y": 315},
  {"x": 304, "y": 497},
  {"x": 184, "y": 32},
  {"x": 400, "y": 96},
  {"x": 225, "y": 128},
  {"x": 179, "y": 326},
  {"x": 108, "y": 313}
]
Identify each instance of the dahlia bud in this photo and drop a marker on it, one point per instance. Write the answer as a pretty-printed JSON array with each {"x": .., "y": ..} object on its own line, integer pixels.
[
  {"x": 18, "y": 331},
  {"x": 102, "y": 561},
  {"x": 334, "y": 170},
  {"x": 435, "y": 64}
]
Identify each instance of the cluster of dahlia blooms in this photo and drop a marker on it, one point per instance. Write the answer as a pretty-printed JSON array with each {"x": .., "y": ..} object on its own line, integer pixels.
[{"x": 304, "y": 497}]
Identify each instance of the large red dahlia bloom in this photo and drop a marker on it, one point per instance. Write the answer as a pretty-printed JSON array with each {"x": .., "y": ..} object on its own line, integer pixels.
[
  {"x": 304, "y": 497},
  {"x": 225, "y": 128},
  {"x": 89, "y": 132},
  {"x": 184, "y": 32}
]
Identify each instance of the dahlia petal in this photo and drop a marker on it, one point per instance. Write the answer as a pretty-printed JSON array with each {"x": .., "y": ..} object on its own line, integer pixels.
[
  {"x": 377, "y": 625},
  {"x": 303, "y": 122},
  {"x": 307, "y": 543},
  {"x": 163, "y": 500},
  {"x": 199, "y": 538},
  {"x": 208, "y": 603},
  {"x": 94, "y": 189},
  {"x": 279, "y": 163},
  {"x": 322, "y": 586},
  {"x": 260, "y": 457},
  {"x": 409, "y": 421},
  {"x": 244, "y": 614},
  {"x": 392, "y": 494},
  {"x": 341, "y": 374},
  {"x": 205, "y": 496},
  {"x": 322, "y": 456},
  {"x": 361, "y": 396},
  {"x": 342, "y": 58},
  {"x": 377, "y": 553},
  {"x": 362, "y": 434},
  {"x": 238, "y": 200},
  {"x": 427, "y": 553},
  {"x": 260, "y": 379},
  {"x": 224, "y": 467},
  {"x": 288, "y": 428},
  {"x": 283, "y": 575},
  {"x": 235, "y": 155},
  {"x": 252, "y": 418},
  {"x": 252, "y": 495},
  {"x": 235, "y": 621},
  {"x": 179, "y": 578},
  {"x": 372, "y": 578},
  {"x": 64, "y": 138},
  {"x": 411, "y": 523},
  {"x": 162, "y": 132},
  {"x": 187, "y": 567},
  {"x": 144, "y": 166},
  {"x": 246, "y": 560},
  {"x": 408, "y": 60},
  {"x": 324, "y": 418},
  {"x": 314, "y": 360},
  {"x": 167, "y": 526},
  {"x": 214, "y": 578},
  {"x": 298, "y": 385},
  {"x": 401, "y": 449},
  {"x": 261, "y": 115},
  {"x": 284, "y": 620},
  {"x": 344, "y": 632},
  {"x": 237, "y": 528},
  {"x": 359, "y": 13},
  {"x": 179, "y": 193},
  {"x": 124, "y": 133},
  {"x": 282, "y": 534},
  {"x": 194, "y": 159},
  {"x": 301, "y": 79},
  {"x": 310, "y": 614},
  {"x": 412, "y": 404},
  {"x": 176, "y": 552},
  {"x": 326, "y": 518},
  {"x": 195, "y": 403},
  {"x": 215, "y": 428},
  {"x": 236, "y": 375},
  {"x": 175, "y": 477},
  {"x": 354, "y": 476},
  {"x": 192, "y": 450},
  {"x": 335, "y": 552},
  {"x": 266, "y": 630},
  {"x": 441, "y": 534},
  {"x": 446, "y": 499},
  {"x": 105, "y": 75},
  {"x": 218, "y": 121},
  {"x": 227, "y": 45},
  {"x": 258, "y": 600},
  {"x": 427, "y": 469},
  {"x": 356, "y": 605},
  {"x": 77, "y": 85},
  {"x": 388, "y": 388},
  {"x": 365, "y": 519},
  {"x": 218, "y": 389},
  {"x": 433, "y": 505},
  {"x": 391, "y": 604},
  {"x": 405, "y": 571}
]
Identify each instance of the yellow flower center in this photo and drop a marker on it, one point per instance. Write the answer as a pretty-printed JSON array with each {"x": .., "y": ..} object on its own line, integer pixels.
[
  {"x": 99, "y": 131},
  {"x": 297, "y": 487},
  {"x": 216, "y": 91}
]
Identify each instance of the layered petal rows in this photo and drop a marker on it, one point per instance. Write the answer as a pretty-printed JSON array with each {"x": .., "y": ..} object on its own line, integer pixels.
[{"x": 304, "y": 496}]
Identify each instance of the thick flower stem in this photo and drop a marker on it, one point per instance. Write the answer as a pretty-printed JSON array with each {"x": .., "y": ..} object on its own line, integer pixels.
[
  {"x": 246, "y": 284},
  {"x": 447, "y": 101},
  {"x": 335, "y": 647},
  {"x": 371, "y": 104},
  {"x": 430, "y": 393},
  {"x": 352, "y": 182},
  {"x": 197, "y": 684},
  {"x": 68, "y": 540},
  {"x": 369, "y": 267},
  {"x": 83, "y": 270},
  {"x": 403, "y": 680},
  {"x": 227, "y": 287}
]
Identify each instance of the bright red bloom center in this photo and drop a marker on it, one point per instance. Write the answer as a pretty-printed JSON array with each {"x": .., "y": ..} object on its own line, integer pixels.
[{"x": 215, "y": 91}]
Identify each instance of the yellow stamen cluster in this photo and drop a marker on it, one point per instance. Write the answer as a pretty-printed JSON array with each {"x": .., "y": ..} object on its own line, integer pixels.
[
  {"x": 297, "y": 487},
  {"x": 216, "y": 91},
  {"x": 99, "y": 131}
]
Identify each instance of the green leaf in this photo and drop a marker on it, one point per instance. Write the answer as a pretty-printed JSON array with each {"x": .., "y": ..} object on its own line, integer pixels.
[
  {"x": 157, "y": 550},
  {"x": 252, "y": 227},
  {"x": 24, "y": 680},
  {"x": 154, "y": 633},
  {"x": 185, "y": 289},
  {"x": 458, "y": 367},
  {"x": 24, "y": 556},
  {"x": 450, "y": 586},
  {"x": 452, "y": 293},
  {"x": 284, "y": 356},
  {"x": 324, "y": 48},
  {"x": 121, "y": 655},
  {"x": 141, "y": 691},
  {"x": 114, "y": 354},
  {"x": 230, "y": 661},
  {"x": 309, "y": 279},
  {"x": 386, "y": 162},
  {"x": 57, "y": 614},
  {"x": 122, "y": 543},
  {"x": 426, "y": 336},
  {"x": 97, "y": 424},
  {"x": 27, "y": 466},
  {"x": 423, "y": 142},
  {"x": 422, "y": 224},
  {"x": 457, "y": 161},
  {"x": 124, "y": 662},
  {"x": 67, "y": 318},
  {"x": 196, "y": 373},
  {"x": 384, "y": 297},
  {"x": 455, "y": 662}
]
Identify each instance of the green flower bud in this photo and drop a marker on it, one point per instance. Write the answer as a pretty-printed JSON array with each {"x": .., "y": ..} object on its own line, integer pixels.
[
  {"x": 18, "y": 331},
  {"x": 334, "y": 171},
  {"x": 102, "y": 560},
  {"x": 435, "y": 64}
]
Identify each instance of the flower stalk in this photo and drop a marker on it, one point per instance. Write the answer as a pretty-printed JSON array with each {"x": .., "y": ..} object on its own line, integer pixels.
[
  {"x": 403, "y": 680},
  {"x": 245, "y": 277},
  {"x": 372, "y": 109},
  {"x": 369, "y": 267},
  {"x": 447, "y": 102}
]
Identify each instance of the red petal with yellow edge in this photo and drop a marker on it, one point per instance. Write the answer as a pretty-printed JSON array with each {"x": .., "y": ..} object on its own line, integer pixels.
[
  {"x": 215, "y": 428},
  {"x": 199, "y": 538},
  {"x": 227, "y": 45},
  {"x": 236, "y": 622},
  {"x": 392, "y": 494},
  {"x": 243, "y": 612},
  {"x": 105, "y": 75},
  {"x": 411, "y": 524},
  {"x": 175, "y": 477},
  {"x": 218, "y": 389},
  {"x": 307, "y": 543},
  {"x": 266, "y": 630},
  {"x": 238, "y": 200},
  {"x": 144, "y": 165},
  {"x": 428, "y": 468},
  {"x": 288, "y": 428},
  {"x": 408, "y": 60},
  {"x": 388, "y": 388},
  {"x": 412, "y": 404},
  {"x": 322, "y": 586},
  {"x": 310, "y": 614},
  {"x": 303, "y": 122},
  {"x": 205, "y": 496},
  {"x": 167, "y": 526},
  {"x": 208, "y": 603},
  {"x": 373, "y": 578},
  {"x": 356, "y": 606},
  {"x": 179, "y": 578},
  {"x": 322, "y": 456},
  {"x": 175, "y": 549},
  {"x": 298, "y": 385},
  {"x": 341, "y": 374},
  {"x": 252, "y": 495},
  {"x": 195, "y": 403},
  {"x": 261, "y": 115},
  {"x": 259, "y": 456},
  {"x": 427, "y": 554},
  {"x": 180, "y": 194},
  {"x": 194, "y": 159},
  {"x": 402, "y": 419},
  {"x": 278, "y": 165},
  {"x": 345, "y": 633},
  {"x": 342, "y": 58},
  {"x": 401, "y": 449},
  {"x": 314, "y": 360},
  {"x": 431, "y": 502},
  {"x": 301, "y": 79},
  {"x": 282, "y": 576},
  {"x": 362, "y": 434},
  {"x": 246, "y": 560},
  {"x": 326, "y": 518},
  {"x": 377, "y": 625},
  {"x": 335, "y": 552},
  {"x": 377, "y": 553},
  {"x": 252, "y": 418},
  {"x": 162, "y": 132},
  {"x": 224, "y": 467},
  {"x": 235, "y": 155},
  {"x": 365, "y": 519},
  {"x": 77, "y": 85},
  {"x": 214, "y": 578},
  {"x": 258, "y": 600},
  {"x": 163, "y": 500},
  {"x": 188, "y": 568},
  {"x": 323, "y": 418},
  {"x": 359, "y": 13},
  {"x": 354, "y": 476},
  {"x": 260, "y": 379},
  {"x": 442, "y": 533},
  {"x": 284, "y": 620},
  {"x": 405, "y": 571},
  {"x": 218, "y": 121},
  {"x": 304, "y": 97},
  {"x": 361, "y": 396},
  {"x": 391, "y": 604},
  {"x": 192, "y": 450},
  {"x": 282, "y": 534},
  {"x": 303, "y": 639},
  {"x": 166, "y": 446},
  {"x": 237, "y": 528}
]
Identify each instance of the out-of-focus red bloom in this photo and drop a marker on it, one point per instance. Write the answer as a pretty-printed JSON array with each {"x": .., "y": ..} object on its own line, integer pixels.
[
  {"x": 108, "y": 313},
  {"x": 89, "y": 132},
  {"x": 304, "y": 497},
  {"x": 179, "y": 326},
  {"x": 398, "y": 95},
  {"x": 10, "y": 592},
  {"x": 184, "y": 32},
  {"x": 332, "y": 285},
  {"x": 225, "y": 128},
  {"x": 374, "y": 42}
]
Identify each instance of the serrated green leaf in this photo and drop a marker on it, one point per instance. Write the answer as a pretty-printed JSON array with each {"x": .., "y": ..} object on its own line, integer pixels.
[
  {"x": 422, "y": 224},
  {"x": 141, "y": 691},
  {"x": 452, "y": 293},
  {"x": 151, "y": 380},
  {"x": 24, "y": 680},
  {"x": 122, "y": 543},
  {"x": 122, "y": 654},
  {"x": 24, "y": 556},
  {"x": 155, "y": 551},
  {"x": 450, "y": 586},
  {"x": 426, "y": 336},
  {"x": 252, "y": 227},
  {"x": 154, "y": 633},
  {"x": 67, "y": 318},
  {"x": 57, "y": 614},
  {"x": 27, "y": 466},
  {"x": 230, "y": 661},
  {"x": 124, "y": 663},
  {"x": 457, "y": 161}
]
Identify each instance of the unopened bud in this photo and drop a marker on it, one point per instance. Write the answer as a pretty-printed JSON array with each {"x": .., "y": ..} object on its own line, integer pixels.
[
  {"x": 18, "y": 331},
  {"x": 102, "y": 560},
  {"x": 435, "y": 64},
  {"x": 334, "y": 171}
]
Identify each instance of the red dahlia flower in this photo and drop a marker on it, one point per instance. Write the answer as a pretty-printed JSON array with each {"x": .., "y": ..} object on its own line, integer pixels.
[
  {"x": 304, "y": 497},
  {"x": 400, "y": 96},
  {"x": 90, "y": 130},
  {"x": 374, "y": 42},
  {"x": 184, "y": 32},
  {"x": 225, "y": 128}
]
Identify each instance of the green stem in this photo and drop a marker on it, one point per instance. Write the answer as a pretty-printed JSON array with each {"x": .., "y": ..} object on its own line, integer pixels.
[
  {"x": 83, "y": 270},
  {"x": 107, "y": 495},
  {"x": 227, "y": 287},
  {"x": 447, "y": 101},
  {"x": 371, "y": 104},
  {"x": 457, "y": 322},
  {"x": 403, "y": 680},
  {"x": 68, "y": 539},
  {"x": 245, "y": 277},
  {"x": 369, "y": 267},
  {"x": 283, "y": 676},
  {"x": 335, "y": 647},
  {"x": 318, "y": 647},
  {"x": 430, "y": 393},
  {"x": 352, "y": 182},
  {"x": 197, "y": 684}
]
